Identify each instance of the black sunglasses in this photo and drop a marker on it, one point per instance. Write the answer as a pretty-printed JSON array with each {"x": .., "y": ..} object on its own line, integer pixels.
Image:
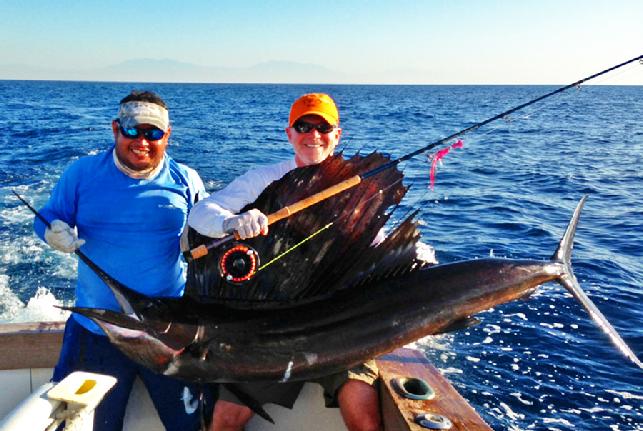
[
  {"x": 153, "y": 134},
  {"x": 305, "y": 127}
]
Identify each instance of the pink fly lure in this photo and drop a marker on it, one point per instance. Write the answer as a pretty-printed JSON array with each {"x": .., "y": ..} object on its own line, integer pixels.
[{"x": 435, "y": 158}]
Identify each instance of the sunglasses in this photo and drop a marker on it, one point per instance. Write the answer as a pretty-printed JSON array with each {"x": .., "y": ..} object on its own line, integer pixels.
[
  {"x": 153, "y": 134},
  {"x": 304, "y": 127}
]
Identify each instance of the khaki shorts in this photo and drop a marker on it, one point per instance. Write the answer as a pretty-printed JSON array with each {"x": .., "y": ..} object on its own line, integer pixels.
[{"x": 285, "y": 394}]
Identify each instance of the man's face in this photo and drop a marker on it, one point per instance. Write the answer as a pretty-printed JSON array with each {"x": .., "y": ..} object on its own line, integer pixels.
[
  {"x": 139, "y": 153},
  {"x": 313, "y": 147}
]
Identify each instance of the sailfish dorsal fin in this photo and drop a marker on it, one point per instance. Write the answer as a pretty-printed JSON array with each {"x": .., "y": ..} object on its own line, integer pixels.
[{"x": 335, "y": 258}]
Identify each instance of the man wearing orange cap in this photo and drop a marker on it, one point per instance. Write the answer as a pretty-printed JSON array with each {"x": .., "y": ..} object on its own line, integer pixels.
[{"x": 313, "y": 131}]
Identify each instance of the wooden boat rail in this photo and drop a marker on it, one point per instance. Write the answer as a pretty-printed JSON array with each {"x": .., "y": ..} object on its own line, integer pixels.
[
  {"x": 30, "y": 345},
  {"x": 399, "y": 412}
]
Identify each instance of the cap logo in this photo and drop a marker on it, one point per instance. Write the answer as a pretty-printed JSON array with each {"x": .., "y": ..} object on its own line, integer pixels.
[{"x": 312, "y": 101}]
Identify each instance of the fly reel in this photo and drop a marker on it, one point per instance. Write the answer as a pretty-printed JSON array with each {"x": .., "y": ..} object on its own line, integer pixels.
[{"x": 238, "y": 263}]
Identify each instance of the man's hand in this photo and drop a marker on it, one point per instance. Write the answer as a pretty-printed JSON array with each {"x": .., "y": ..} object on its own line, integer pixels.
[
  {"x": 62, "y": 237},
  {"x": 248, "y": 224}
]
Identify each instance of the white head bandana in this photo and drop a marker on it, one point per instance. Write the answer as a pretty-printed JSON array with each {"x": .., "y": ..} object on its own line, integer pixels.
[{"x": 132, "y": 114}]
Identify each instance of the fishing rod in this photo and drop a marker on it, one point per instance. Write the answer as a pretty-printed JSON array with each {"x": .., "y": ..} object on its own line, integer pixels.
[
  {"x": 287, "y": 211},
  {"x": 124, "y": 303}
]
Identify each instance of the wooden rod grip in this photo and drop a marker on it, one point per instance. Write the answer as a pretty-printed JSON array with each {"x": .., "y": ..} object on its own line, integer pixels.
[
  {"x": 199, "y": 252},
  {"x": 313, "y": 199}
]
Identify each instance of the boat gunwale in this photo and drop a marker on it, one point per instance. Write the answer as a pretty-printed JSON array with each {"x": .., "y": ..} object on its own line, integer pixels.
[{"x": 31, "y": 344}]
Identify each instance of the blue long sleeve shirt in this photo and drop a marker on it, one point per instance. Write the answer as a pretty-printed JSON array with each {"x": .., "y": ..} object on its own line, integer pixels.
[{"x": 131, "y": 227}]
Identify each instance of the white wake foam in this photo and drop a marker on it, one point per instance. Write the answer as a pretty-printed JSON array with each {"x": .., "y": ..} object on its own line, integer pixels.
[{"x": 39, "y": 308}]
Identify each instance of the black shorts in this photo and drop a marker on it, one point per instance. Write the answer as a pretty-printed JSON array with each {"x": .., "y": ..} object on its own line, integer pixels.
[{"x": 285, "y": 394}]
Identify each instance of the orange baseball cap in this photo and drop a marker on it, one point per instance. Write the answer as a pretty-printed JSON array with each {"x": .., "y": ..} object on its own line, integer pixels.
[{"x": 314, "y": 104}]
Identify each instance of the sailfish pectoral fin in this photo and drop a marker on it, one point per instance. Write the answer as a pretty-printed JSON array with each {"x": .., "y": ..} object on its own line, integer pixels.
[
  {"x": 174, "y": 335},
  {"x": 562, "y": 258},
  {"x": 465, "y": 322},
  {"x": 134, "y": 338},
  {"x": 113, "y": 317}
]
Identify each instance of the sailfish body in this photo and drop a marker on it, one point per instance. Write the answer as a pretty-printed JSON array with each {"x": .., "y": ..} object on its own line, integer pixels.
[
  {"x": 328, "y": 305},
  {"x": 321, "y": 337}
]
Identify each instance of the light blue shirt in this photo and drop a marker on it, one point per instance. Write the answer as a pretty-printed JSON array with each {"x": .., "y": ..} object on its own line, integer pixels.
[{"x": 131, "y": 227}]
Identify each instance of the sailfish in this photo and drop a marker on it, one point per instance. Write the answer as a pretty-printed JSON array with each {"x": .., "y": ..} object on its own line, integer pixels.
[{"x": 326, "y": 298}]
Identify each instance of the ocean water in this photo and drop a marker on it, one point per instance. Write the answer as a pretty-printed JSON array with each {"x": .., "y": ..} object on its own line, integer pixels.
[{"x": 538, "y": 364}]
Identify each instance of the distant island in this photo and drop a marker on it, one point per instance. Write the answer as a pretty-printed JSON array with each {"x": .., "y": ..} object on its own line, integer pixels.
[
  {"x": 167, "y": 70},
  {"x": 269, "y": 72}
]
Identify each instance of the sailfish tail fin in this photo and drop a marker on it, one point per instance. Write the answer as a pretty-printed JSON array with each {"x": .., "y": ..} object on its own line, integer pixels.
[
  {"x": 568, "y": 280},
  {"x": 563, "y": 253},
  {"x": 570, "y": 283}
]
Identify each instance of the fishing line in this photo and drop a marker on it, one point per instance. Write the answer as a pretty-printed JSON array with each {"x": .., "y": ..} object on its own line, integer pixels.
[
  {"x": 308, "y": 238},
  {"x": 325, "y": 227},
  {"x": 626, "y": 70}
]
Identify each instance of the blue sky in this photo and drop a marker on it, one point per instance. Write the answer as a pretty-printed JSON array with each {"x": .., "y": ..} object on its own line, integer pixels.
[{"x": 457, "y": 41}]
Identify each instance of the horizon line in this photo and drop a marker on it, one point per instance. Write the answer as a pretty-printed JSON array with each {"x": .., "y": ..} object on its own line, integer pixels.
[{"x": 305, "y": 83}]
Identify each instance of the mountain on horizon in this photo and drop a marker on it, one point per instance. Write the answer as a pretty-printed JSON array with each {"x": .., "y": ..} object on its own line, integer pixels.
[{"x": 167, "y": 70}]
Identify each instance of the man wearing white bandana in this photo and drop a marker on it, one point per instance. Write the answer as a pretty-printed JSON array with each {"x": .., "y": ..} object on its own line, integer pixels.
[{"x": 126, "y": 207}]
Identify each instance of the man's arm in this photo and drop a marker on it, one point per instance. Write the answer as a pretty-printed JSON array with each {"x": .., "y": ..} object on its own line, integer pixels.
[
  {"x": 207, "y": 217},
  {"x": 217, "y": 214}
]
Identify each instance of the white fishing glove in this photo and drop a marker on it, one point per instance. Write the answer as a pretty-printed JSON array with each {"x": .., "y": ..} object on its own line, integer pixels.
[
  {"x": 62, "y": 237},
  {"x": 248, "y": 225}
]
